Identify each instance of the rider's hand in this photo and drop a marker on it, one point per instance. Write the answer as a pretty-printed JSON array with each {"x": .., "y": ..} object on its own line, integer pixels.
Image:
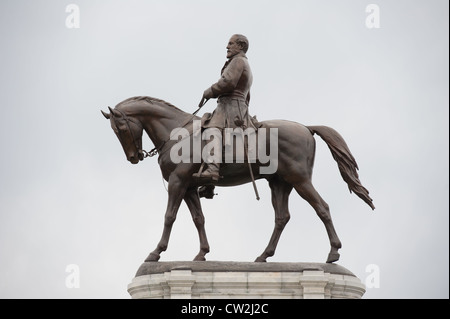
[{"x": 206, "y": 96}]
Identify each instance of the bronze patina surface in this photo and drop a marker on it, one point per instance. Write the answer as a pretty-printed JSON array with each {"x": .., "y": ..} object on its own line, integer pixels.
[{"x": 295, "y": 159}]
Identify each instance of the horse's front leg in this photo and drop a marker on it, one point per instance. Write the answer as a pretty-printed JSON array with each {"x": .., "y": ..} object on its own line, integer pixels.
[{"x": 177, "y": 190}]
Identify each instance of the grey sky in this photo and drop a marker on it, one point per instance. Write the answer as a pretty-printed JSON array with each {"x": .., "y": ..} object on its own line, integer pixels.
[{"x": 68, "y": 195}]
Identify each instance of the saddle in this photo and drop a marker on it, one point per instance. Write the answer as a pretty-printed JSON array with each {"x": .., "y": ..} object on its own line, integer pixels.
[
  {"x": 234, "y": 138},
  {"x": 237, "y": 121},
  {"x": 230, "y": 149}
]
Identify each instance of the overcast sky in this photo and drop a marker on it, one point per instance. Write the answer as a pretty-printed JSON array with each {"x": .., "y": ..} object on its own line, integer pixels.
[{"x": 69, "y": 197}]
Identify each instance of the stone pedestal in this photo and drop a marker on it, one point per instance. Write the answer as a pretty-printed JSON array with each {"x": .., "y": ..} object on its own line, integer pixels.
[{"x": 238, "y": 280}]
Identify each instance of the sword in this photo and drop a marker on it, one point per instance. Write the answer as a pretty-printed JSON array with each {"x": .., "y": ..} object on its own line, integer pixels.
[{"x": 249, "y": 165}]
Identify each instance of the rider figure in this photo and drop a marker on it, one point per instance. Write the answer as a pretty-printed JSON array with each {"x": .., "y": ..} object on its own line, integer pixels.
[{"x": 233, "y": 95}]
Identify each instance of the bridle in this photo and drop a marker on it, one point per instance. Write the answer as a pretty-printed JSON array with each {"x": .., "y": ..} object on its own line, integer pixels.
[
  {"x": 154, "y": 151},
  {"x": 129, "y": 120}
]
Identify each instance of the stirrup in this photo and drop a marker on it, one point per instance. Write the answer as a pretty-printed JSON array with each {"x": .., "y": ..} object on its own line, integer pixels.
[{"x": 206, "y": 191}]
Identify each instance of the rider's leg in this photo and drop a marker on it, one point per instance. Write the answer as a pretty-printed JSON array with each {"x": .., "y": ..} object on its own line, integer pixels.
[{"x": 212, "y": 155}]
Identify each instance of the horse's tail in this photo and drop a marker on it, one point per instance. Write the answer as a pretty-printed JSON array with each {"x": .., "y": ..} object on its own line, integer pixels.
[{"x": 345, "y": 160}]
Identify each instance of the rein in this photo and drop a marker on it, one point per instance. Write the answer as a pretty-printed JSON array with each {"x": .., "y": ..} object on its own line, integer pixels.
[{"x": 156, "y": 150}]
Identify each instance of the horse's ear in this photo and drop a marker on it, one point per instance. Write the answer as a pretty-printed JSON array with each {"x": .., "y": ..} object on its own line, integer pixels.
[
  {"x": 106, "y": 115},
  {"x": 114, "y": 113}
]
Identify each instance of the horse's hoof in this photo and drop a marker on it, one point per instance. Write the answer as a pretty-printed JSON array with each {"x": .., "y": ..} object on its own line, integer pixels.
[
  {"x": 332, "y": 257},
  {"x": 152, "y": 257},
  {"x": 260, "y": 260},
  {"x": 199, "y": 258}
]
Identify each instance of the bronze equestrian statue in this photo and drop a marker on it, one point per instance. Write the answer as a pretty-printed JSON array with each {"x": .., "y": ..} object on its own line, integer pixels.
[{"x": 295, "y": 160}]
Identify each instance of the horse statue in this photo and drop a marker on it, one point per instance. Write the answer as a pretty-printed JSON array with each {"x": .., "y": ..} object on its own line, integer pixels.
[{"x": 296, "y": 152}]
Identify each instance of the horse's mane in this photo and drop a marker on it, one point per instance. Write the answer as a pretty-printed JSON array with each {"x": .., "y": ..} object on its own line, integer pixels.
[{"x": 150, "y": 100}]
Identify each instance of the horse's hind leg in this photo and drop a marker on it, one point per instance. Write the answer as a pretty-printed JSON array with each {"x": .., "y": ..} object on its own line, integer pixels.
[
  {"x": 193, "y": 202},
  {"x": 280, "y": 196},
  {"x": 308, "y": 192}
]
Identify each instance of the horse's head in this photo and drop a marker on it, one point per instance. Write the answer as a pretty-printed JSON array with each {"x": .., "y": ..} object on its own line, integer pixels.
[{"x": 129, "y": 132}]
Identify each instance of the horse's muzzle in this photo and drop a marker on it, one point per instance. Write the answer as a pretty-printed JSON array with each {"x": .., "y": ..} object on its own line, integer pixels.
[{"x": 133, "y": 160}]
